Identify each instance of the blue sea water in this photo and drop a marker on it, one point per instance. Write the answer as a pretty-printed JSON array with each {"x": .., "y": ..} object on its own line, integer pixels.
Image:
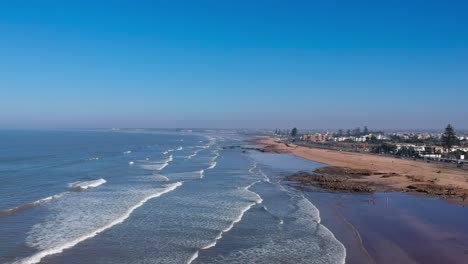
[{"x": 147, "y": 197}]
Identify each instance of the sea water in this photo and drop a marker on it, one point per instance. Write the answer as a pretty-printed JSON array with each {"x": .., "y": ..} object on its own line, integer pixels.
[{"x": 147, "y": 197}]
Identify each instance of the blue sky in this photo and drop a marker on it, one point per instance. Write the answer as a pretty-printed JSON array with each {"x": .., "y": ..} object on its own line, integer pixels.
[{"x": 228, "y": 64}]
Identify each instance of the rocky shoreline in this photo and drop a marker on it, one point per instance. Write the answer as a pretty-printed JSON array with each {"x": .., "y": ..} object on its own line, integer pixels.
[
  {"x": 364, "y": 173},
  {"x": 334, "y": 178},
  {"x": 342, "y": 179}
]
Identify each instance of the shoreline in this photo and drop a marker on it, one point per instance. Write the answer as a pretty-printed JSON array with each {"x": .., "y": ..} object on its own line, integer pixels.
[
  {"x": 383, "y": 225},
  {"x": 357, "y": 172}
]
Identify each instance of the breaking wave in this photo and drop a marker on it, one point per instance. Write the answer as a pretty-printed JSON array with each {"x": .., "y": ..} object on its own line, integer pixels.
[
  {"x": 80, "y": 186},
  {"x": 41, "y": 232}
]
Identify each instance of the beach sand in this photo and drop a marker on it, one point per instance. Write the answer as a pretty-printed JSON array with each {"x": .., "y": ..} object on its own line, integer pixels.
[
  {"x": 389, "y": 227},
  {"x": 387, "y": 173}
]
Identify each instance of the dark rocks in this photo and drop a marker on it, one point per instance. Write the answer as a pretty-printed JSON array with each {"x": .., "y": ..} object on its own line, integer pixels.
[{"x": 334, "y": 178}]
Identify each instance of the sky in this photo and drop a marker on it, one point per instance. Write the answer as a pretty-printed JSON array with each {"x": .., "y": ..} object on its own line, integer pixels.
[{"x": 233, "y": 64}]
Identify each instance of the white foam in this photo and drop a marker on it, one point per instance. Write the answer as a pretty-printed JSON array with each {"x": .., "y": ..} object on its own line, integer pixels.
[
  {"x": 78, "y": 186},
  {"x": 179, "y": 148},
  {"x": 212, "y": 165},
  {"x": 265, "y": 177},
  {"x": 157, "y": 165},
  {"x": 171, "y": 158},
  {"x": 254, "y": 166},
  {"x": 92, "y": 158},
  {"x": 216, "y": 156},
  {"x": 160, "y": 177},
  {"x": 131, "y": 162},
  {"x": 127, "y": 152},
  {"x": 259, "y": 199},
  {"x": 231, "y": 226},
  {"x": 237, "y": 219},
  {"x": 48, "y": 199},
  {"x": 37, "y": 257},
  {"x": 194, "y": 153},
  {"x": 202, "y": 174},
  {"x": 193, "y": 257},
  {"x": 164, "y": 165},
  {"x": 168, "y": 151}
]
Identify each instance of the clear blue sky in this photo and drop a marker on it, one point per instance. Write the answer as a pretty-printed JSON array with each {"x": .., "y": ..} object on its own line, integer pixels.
[{"x": 311, "y": 64}]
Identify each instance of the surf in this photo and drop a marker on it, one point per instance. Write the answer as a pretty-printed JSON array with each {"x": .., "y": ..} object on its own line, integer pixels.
[
  {"x": 37, "y": 257},
  {"x": 80, "y": 186}
]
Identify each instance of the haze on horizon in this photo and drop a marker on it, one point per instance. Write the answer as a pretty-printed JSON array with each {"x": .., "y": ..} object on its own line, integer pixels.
[{"x": 231, "y": 64}]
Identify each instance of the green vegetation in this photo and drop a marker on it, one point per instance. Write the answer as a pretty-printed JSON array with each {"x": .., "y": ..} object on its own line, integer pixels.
[
  {"x": 294, "y": 132},
  {"x": 449, "y": 138}
]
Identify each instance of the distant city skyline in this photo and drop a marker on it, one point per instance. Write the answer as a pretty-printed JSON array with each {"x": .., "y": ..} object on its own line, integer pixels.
[{"x": 234, "y": 64}]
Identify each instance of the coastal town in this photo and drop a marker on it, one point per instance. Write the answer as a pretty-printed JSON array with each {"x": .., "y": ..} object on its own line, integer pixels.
[{"x": 442, "y": 146}]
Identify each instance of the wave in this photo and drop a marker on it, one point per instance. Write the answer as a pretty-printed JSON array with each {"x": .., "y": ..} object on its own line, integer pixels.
[
  {"x": 192, "y": 155},
  {"x": 36, "y": 258},
  {"x": 254, "y": 166},
  {"x": 160, "y": 177},
  {"x": 127, "y": 152},
  {"x": 80, "y": 186},
  {"x": 92, "y": 158},
  {"x": 179, "y": 148},
  {"x": 187, "y": 175},
  {"x": 157, "y": 165},
  {"x": 265, "y": 177},
  {"x": 216, "y": 156},
  {"x": 231, "y": 226},
  {"x": 279, "y": 218},
  {"x": 23, "y": 207},
  {"x": 168, "y": 151},
  {"x": 193, "y": 257},
  {"x": 166, "y": 163},
  {"x": 259, "y": 199},
  {"x": 212, "y": 165},
  {"x": 236, "y": 220}
]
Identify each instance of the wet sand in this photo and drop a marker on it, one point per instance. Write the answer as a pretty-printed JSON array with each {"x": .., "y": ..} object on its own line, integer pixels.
[
  {"x": 394, "y": 227},
  {"x": 386, "y": 173}
]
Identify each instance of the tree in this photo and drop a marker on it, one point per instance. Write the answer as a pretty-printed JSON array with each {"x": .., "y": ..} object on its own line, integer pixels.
[
  {"x": 357, "y": 132},
  {"x": 340, "y": 132},
  {"x": 366, "y": 130},
  {"x": 348, "y": 133},
  {"x": 449, "y": 138},
  {"x": 294, "y": 132}
]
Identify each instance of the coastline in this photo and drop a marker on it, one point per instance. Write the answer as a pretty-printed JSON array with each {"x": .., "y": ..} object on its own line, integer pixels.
[
  {"x": 389, "y": 224},
  {"x": 381, "y": 174}
]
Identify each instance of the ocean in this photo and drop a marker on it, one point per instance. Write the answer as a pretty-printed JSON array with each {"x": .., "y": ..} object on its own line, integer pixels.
[{"x": 153, "y": 197}]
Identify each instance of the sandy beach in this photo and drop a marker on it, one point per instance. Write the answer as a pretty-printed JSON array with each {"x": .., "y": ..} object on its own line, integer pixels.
[
  {"x": 386, "y": 173},
  {"x": 389, "y": 225}
]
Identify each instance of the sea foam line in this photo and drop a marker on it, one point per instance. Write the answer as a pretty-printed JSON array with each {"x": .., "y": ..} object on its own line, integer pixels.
[
  {"x": 193, "y": 257},
  {"x": 237, "y": 220},
  {"x": 251, "y": 170},
  {"x": 36, "y": 258},
  {"x": 80, "y": 186},
  {"x": 212, "y": 165}
]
